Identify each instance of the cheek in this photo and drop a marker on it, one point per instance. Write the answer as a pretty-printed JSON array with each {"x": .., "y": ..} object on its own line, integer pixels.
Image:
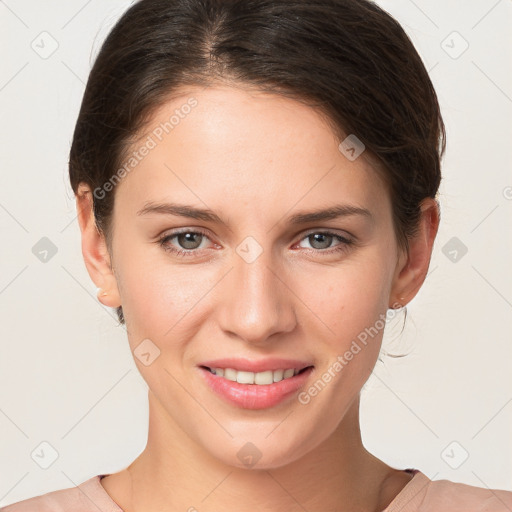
[
  {"x": 155, "y": 299},
  {"x": 162, "y": 300},
  {"x": 352, "y": 310},
  {"x": 162, "y": 303},
  {"x": 346, "y": 299}
]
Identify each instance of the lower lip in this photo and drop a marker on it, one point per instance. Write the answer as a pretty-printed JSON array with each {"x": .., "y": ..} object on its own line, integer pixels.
[{"x": 255, "y": 396}]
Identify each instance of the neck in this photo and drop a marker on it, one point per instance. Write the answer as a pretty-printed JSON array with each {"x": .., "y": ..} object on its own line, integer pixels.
[{"x": 175, "y": 473}]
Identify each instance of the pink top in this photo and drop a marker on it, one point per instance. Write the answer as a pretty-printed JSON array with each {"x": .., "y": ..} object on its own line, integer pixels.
[{"x": 419, "y": 495}]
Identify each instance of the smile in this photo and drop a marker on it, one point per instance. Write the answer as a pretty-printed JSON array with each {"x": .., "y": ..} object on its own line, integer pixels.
[{"x": 258, "y": 378}]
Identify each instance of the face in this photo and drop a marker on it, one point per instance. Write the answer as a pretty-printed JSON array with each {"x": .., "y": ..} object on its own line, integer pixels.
[{"x": 251, "y": 279}]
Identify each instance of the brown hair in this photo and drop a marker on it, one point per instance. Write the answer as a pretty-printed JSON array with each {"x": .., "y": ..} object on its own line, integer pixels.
[{"x": 347, "y": 58}]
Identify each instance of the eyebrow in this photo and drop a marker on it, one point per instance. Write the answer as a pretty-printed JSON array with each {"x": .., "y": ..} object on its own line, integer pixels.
[{"x": 304, "y": 217}]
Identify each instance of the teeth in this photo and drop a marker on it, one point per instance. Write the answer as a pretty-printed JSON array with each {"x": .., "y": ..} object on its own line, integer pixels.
[{"x": 260, "y": 378}]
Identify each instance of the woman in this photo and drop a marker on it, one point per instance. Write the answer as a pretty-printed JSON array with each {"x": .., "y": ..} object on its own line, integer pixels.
[{"x": 220, "y": 145}]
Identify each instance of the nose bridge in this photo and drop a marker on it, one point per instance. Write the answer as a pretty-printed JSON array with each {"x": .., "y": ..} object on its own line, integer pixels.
[{"x": 256, "y": 303}]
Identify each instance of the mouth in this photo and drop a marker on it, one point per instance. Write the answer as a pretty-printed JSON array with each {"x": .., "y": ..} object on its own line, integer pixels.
[
  {"x": 255, "y": 390},
  {"x": 263, "y": 378}
]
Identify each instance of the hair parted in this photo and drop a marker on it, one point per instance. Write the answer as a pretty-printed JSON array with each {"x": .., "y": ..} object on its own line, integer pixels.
[{"x": 349, "y": 59}]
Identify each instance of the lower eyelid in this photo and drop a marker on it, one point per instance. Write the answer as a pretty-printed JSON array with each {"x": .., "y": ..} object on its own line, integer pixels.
[
  {"x": 166, "y": 240},
  {"x": 343, "y": 241}
]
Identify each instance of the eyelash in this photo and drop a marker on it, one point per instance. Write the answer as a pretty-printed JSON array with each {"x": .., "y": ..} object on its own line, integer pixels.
[{"x": 343, "y": 246}]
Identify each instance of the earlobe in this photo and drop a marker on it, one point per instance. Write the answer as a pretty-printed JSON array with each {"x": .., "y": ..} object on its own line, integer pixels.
[
  {"x": 95, "y": 251},
  {"x": 412, "y": 267}
]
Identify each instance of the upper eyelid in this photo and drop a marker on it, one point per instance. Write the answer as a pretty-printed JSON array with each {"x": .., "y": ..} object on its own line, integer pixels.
[{"x": 305, "y": 234}]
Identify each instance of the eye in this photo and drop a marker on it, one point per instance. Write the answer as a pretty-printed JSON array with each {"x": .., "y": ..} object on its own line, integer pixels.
[
  {"x": 322, "y": 240},
  {"x": 188, "y": 242}
]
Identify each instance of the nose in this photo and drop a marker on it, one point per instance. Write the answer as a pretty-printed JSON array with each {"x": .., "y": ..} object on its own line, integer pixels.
[{"x": 257, "y": 301}]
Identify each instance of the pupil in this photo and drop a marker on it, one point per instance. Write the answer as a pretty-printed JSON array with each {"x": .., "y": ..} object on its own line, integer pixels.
[
  {"x": 324, "y": 236},
  {"x": 189, "y": 239}
]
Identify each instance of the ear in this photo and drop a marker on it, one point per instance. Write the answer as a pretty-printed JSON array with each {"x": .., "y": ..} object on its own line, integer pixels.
[
  {"x": 412, "y": 268},
  {"x": 94, "y": 250}
]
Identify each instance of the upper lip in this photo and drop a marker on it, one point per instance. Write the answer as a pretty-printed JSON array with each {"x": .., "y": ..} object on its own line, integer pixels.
[{"x": 255, "y": 366}]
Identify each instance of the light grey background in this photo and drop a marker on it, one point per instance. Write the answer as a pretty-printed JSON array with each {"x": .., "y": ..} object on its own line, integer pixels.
[{"x": 67, "y": 375}]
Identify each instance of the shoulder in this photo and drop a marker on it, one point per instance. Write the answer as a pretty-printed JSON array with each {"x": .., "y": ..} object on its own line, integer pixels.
[
  {"x": 86, "y": 497},
  {"x": 424, "y": 495},
  {"x": 453, "y": 496}
]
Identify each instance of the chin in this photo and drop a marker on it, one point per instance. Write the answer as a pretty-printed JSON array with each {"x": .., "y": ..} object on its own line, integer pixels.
[{"x": 260, "y": 453}]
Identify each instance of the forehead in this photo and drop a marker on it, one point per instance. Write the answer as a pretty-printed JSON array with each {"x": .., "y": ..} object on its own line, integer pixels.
[{"x": 260, "y": 147}]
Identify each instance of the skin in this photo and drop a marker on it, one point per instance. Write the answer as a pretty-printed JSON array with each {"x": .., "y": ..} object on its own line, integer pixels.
[{"x": 254, "y": 159}]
